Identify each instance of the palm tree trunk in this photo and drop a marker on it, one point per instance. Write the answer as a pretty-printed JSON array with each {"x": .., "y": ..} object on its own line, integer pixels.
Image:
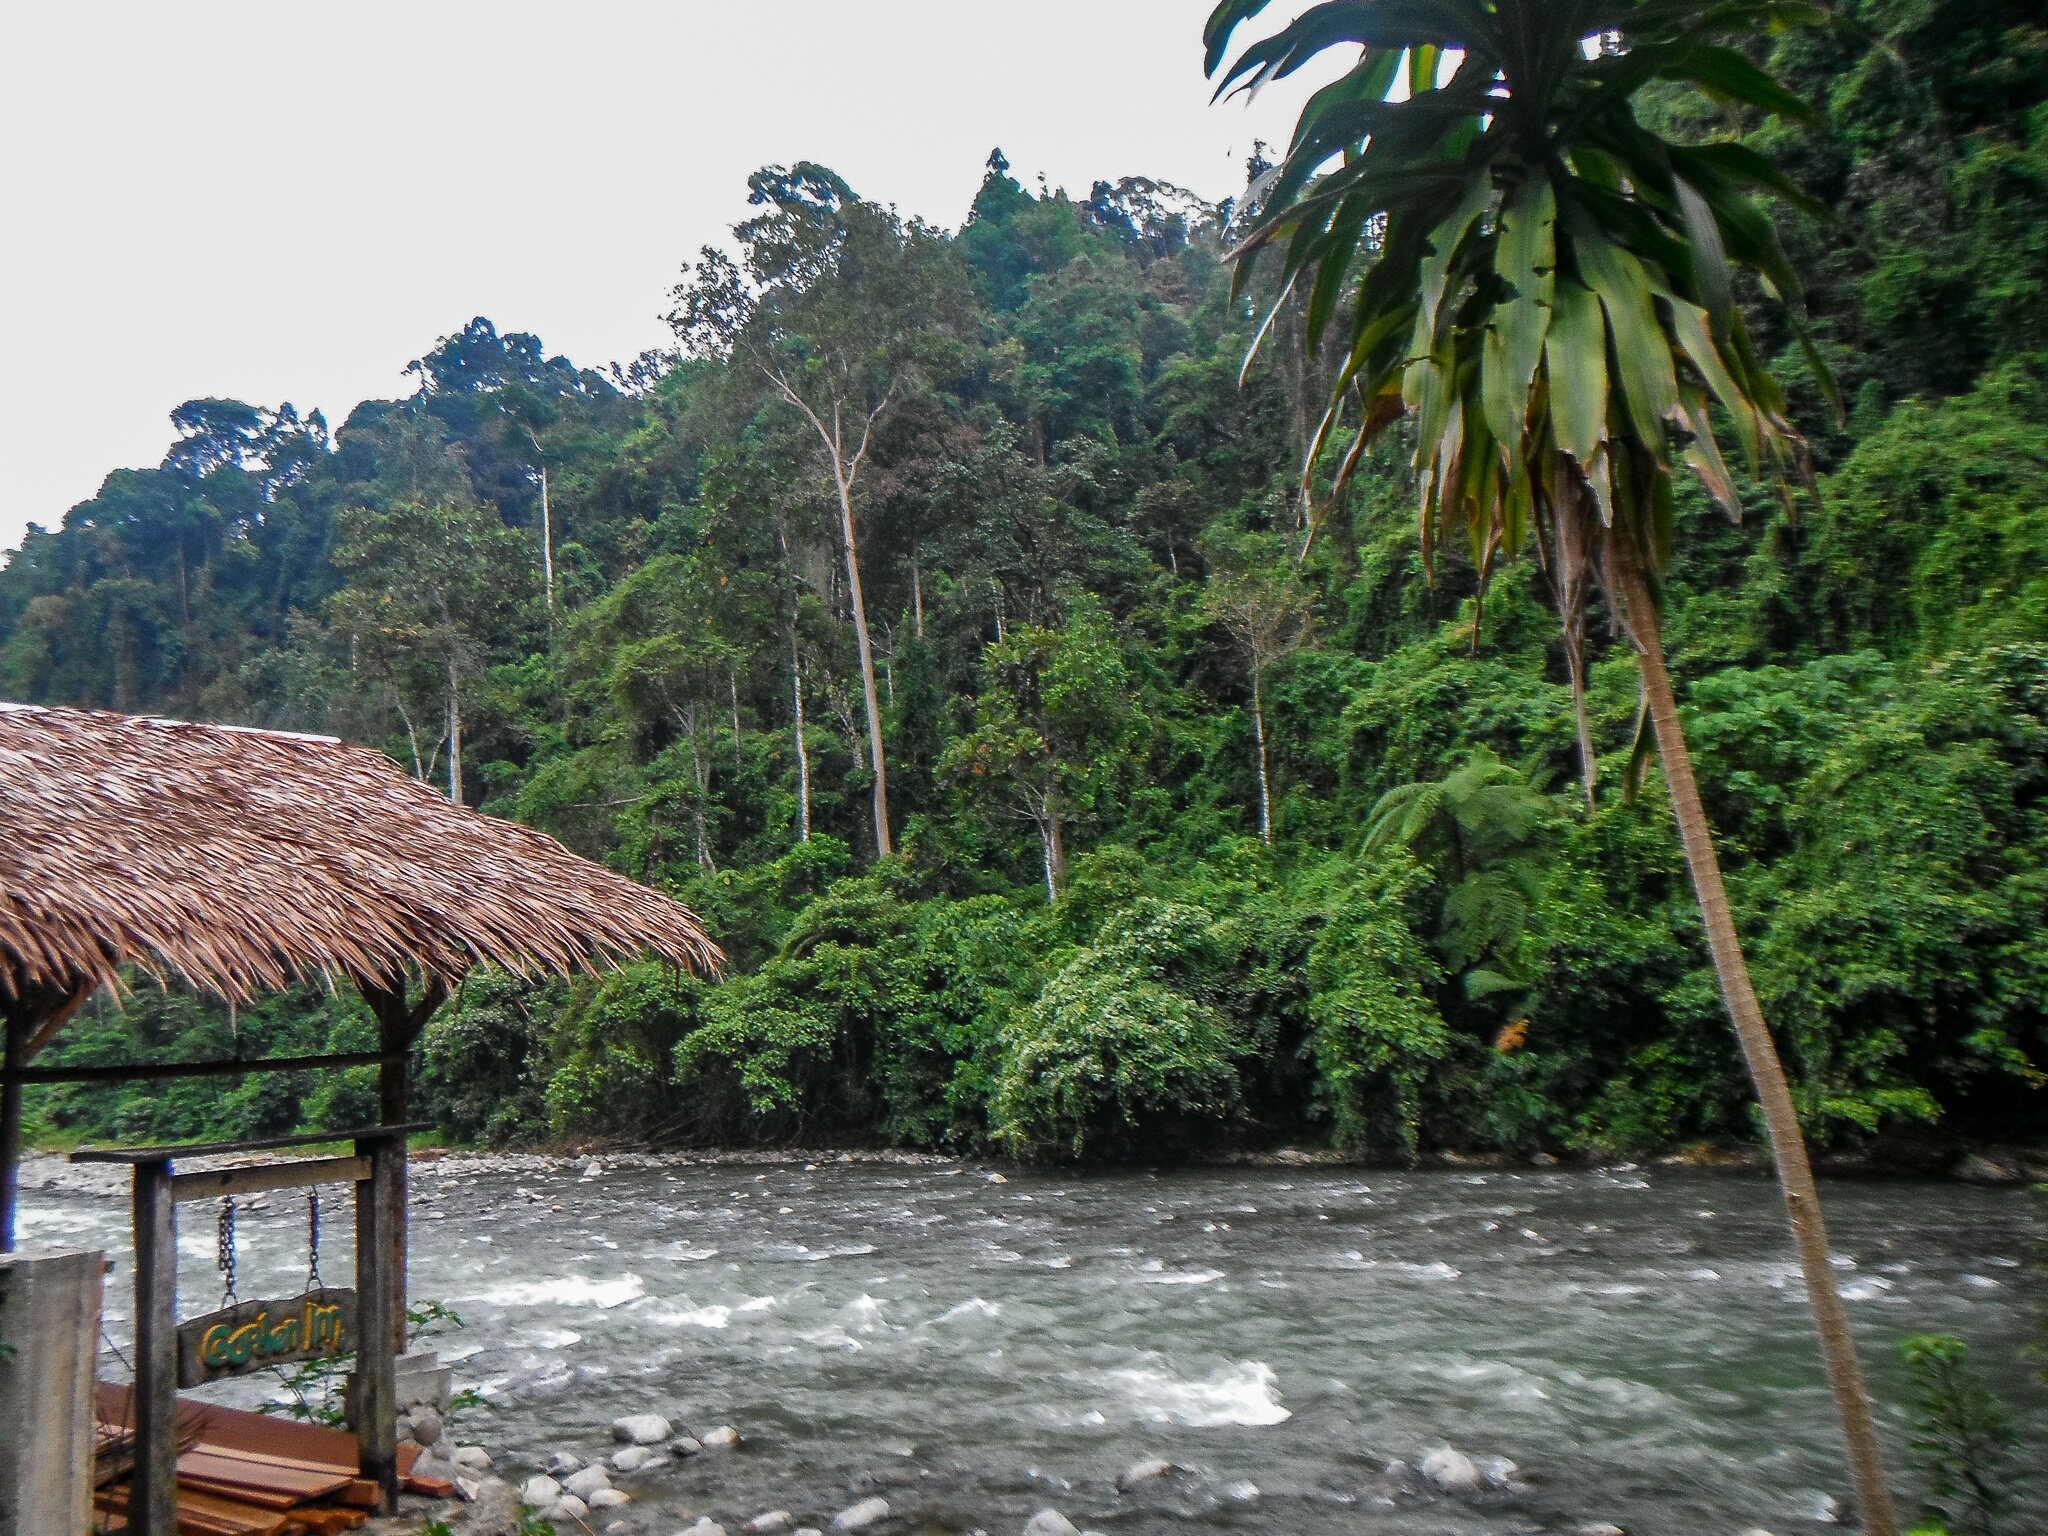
[{"x": 1781, "y": 1121}]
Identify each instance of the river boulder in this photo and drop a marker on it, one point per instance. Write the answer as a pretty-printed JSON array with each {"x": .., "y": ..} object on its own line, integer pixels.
[
  {"x": 1451, "y": 1470},
  {"x": 540, "y": 1491},
  {"x": 641, "y": 1429},
  {"x": 608, "y": 1498},
  {"x": 636, "y": 1458},
  {"x": 562, "y": 1463},
  {"x": 1050, "y": 1522},
  {"x": 494, "y": 1511},
  {"x": 774, "y": 1521},
  {"x": 723, "y": 1438},
  {"x": 583, "y": 1484}
]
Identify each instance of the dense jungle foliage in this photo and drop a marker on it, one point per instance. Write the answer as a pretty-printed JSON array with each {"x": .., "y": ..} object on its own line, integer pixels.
[{"x": 1072, "y": 808}]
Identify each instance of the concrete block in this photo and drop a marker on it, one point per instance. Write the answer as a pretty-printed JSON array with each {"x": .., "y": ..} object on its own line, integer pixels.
[{"x": 50, "y": 1329}]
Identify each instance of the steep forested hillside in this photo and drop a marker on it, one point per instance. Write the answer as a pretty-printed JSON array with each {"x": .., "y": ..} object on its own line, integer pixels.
[{"x": 940, "y": 620}]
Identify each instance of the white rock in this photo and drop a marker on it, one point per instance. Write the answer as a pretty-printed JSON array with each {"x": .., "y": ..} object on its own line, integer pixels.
[
  {"x": 686, "y": 1445},
  {"x": 1498, "y": 1471},
  {"x": 583, "y": 1484},
  {"x": 1050, "y": 1522},
  {"x": 807, "y": 1530},
  {"x": 1451, "y": 1470},
  {"x": 723, "y": 1438},
  {"x": 1598, "y": 1528},
  {"x": 774, "y": 1520},
  {"x": 1243, "y": 1492},
  {"x": 705, "y": 1526},
  {"x": 474, "y": 1457},
  {"x": 1143, "y": 1472},
  {"x": 468, "y": 1488},
  {"x": 426, "y": 1426},
  {"x": 567, "y": 1507},
  {"x": 1756, "y": 1531},
  {"x": 641, "y": 1429},
  {"x": 633, "y": 1458},
  {"x": 609, "y": 1498},
  {"x": 997, "y": 1178},
  {"x": 562, "y": 1463},
  {"x": 858, "y": 1517},
  {"x": 540, "y": 1490}
]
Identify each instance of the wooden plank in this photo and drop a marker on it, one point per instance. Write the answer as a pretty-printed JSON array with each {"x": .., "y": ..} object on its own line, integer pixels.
[
  {"x": 156, "y": 1352},
  {"x": 259, "y": 1144},
  {"x": 200, "y": 1514},
  {"x": 246, "y": 1181},
  {"x": 292, "y": 1484}
]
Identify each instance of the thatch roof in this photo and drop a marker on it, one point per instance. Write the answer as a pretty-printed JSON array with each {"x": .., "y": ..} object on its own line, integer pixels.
[{"x": 244, "y": 860}]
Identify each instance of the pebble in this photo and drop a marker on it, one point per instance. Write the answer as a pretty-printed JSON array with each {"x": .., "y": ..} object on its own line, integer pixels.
[
  {"x": 567, "y": 1507},
  {"x": 858, "y": 1517},
  {"x": 774, "y": 1520},
  {"x": 542, "y": 1490},
  {"x": 723, "y": 1438},
  {"x": 562, "y": 1463},
  {"x": 474, "y": 1457},
  {"x": 426, "y": 1426},
  {"x": 609, "y": 1498},
  {"x": 583, "y": 1484},
  {"x": 635, "y": 1457},
  {"x": 1143, "y": 1472},
  {"x": 642, "y": 1429},
  {"x": 1050, "y": 1522},
  {"x": 686, "y": 1445},
  {"x": 1451, "y": 1470}
]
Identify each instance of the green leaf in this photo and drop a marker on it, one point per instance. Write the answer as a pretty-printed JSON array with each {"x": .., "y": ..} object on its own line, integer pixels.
[
  {"x": 1527, "y": 257},
  {"x": 1649, "y": 385},
  {"x": 1689, "y": 325},
  {"x": 1444, "y": 242},
  {"x": 1575, "y": 355}
]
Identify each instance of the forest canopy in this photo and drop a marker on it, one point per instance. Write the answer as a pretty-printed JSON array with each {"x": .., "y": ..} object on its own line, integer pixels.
[{"x": 940, "y": 619}]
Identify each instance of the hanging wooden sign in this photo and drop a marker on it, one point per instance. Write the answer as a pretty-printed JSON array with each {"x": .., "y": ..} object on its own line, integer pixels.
[{"x": 253, "y": 1334}]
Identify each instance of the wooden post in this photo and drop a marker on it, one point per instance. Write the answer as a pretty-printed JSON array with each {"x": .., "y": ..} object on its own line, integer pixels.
[
  {"x": 18, "y": 1030},
  {"x": 398, "y": 1027},
  {"x": 152, "y": 1502},
  {"x": 380, "y": 1317}
]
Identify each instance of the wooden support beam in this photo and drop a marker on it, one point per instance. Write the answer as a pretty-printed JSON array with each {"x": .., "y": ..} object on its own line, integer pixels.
[
  {"x": 26, "y": 1021},
  {"x": 380, "y": 1317},
  {"x": 160, "y": 1071},
  {"x": 152, "y": 1506},
  {"x": 247, "y": 1181},
  {"x": 398, "y": 1026},
  {"x": 18, "y": 1031}
]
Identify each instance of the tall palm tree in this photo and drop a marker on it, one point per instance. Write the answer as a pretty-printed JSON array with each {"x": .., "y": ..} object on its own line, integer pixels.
[{"x": 1544, "y": 287}]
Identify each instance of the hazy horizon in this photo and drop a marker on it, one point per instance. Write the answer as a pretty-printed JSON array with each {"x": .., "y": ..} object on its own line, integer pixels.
[{"x": 290, "y": 206}]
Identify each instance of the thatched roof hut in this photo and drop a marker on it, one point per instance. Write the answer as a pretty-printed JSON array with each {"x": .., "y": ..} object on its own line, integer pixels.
[{"x": 243, "y": 860}]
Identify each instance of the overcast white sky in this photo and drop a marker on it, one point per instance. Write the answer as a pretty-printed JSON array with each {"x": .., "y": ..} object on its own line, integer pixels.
[{"x": 288, "y": 201}]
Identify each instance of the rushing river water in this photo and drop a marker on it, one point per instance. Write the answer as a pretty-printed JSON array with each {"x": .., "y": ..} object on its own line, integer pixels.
[{"x": 973, "y": 1349}]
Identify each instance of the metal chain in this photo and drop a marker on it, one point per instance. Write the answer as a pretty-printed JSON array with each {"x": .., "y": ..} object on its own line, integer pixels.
[
  {"x": 225, "y": 1260},
  {"x": 312, "y": 1239}
]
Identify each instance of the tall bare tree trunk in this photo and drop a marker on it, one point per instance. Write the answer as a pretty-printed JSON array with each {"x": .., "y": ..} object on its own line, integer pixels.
[
  {"x": 803, "y": 761},
  {"x": 1265, "y": 784},
  {"x": 547, "y": 543},
  {"x": 1781, "y": 1120},
  {"x": 867, "y": 664},
  {"x": 1052, "y": 847},
  {"x": 917, "y": 594},
  {"x": 454, "y": 736},
  {"x": 732, "y": 682}
]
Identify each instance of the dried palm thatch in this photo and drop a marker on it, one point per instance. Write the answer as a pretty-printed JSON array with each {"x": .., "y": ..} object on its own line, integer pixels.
[{"x": 242, "y": 861}]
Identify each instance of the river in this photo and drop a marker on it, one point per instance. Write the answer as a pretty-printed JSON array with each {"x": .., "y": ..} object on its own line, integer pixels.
[{"x": 975, "y": 1346}]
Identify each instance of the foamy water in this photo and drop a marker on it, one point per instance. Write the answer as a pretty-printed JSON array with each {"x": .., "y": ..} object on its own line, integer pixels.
[{"x": 1636, "y": 1342}]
